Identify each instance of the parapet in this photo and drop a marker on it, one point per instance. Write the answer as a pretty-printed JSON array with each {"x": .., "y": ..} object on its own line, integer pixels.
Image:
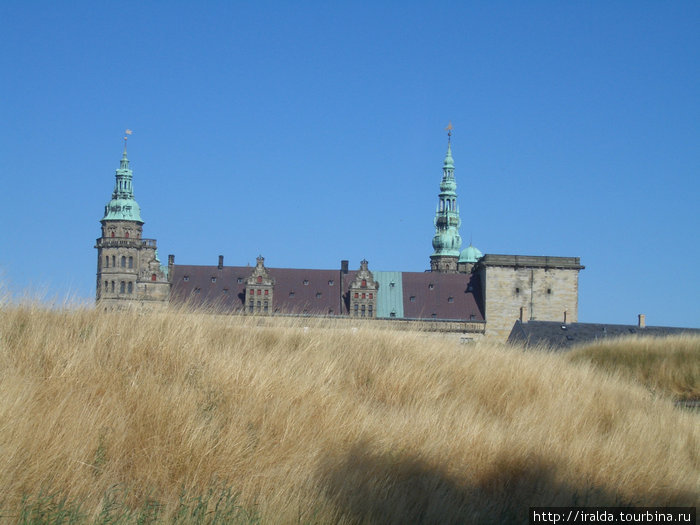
[{"x": 531, "y": 261}]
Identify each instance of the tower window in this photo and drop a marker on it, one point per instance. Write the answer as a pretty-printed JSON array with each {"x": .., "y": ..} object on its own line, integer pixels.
[
  {"x": 123, "y": 262},
  {"x": 112, "y": 286},
  {"x": 122, "y": 287},
  {"x": 131, "y": 287},
  {"x": 114, "y": 259},
  {"x": 131, "y": 262},
  {"x": 106, "y": 261},
  {"x": 106, "y": 286}
]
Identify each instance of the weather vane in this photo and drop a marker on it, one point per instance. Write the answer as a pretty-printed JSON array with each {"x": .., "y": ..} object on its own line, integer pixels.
[{"x": 449, "y": 129}]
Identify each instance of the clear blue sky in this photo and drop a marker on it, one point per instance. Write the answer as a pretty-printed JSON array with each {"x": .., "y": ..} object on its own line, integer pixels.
[{"x": 312, "y": 132}]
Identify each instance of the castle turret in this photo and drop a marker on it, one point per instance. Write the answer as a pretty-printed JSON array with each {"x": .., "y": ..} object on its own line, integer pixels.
[
  {"x": 128, "y": 268},
  {"x": 447, "y": 242}
]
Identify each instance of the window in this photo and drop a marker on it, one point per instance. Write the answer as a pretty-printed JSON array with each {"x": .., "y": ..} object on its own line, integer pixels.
[
  {"x": 239, "y": 280},
  {"x": 259, "y": 292},
  {"x": 357, "y": 307},
  {"x": 267, "y": 292},
  {"x": 330, "y": 311},
  {"x": 122, "y": 287},
  {"x": 392, "y": 314},
  {"x": 112, "y": 234},
  {"x": 106, "y": 286},
  {"x": 364, "y": 283},
  {"x": 291, "y": 294},
  {"x": 306, "y": 282},
  {"x": 369, "y": 308},
  {"x": 371, "y": 296},
  {"x": 258, "y": 305},
  {"x": 153, "y": 277},
  {"x": 318, "y": 295},
  {"x": 186, "y": 278},
  {"x": 250, "y": 306},
  {"x": 114, "y": 259},
  {"x": 259, "y": 279},
  {"x": 123, "y": 261},
  {"x": 450, "y": 299},
  {"x": 431, "y": 286},
  {"x": 472, "y": 317},
  {"x": 413, "y": 299},
  {"x": 364, "y": 295},
  {"x": 112, "y": 286},
  {"x": 131, "y": 287},
  {"x": 131, "y": 262},
  {"x": 517, "y": 290},
  {"x": 392, "y": 284},
  {"x": 357, "y": 295},
  {"x": 106, "y": 261},
  {"x": 549, "y": 290},
  {"x": 362, "y": 309},
  {"x": 197, "y": 290},
  {"x": 433, "y": 315},
  {"x": 330, "y": 283},
  {"x": 252, "y": 292},
  {"x": 127, "y": 235},
  {"x": 265, "y": 306},
  {"x": 225, "y": 290},
  {"x": 213, "y": 279}
]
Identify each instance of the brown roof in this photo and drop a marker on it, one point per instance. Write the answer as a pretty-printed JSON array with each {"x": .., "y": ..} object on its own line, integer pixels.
[{"x": 442, "y": 296}]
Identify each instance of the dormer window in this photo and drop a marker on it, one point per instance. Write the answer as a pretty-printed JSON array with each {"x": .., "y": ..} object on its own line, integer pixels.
[
  {"x": 431, "y": 286},
  {"x": 330, "y": 283},
  {"x": 186, "y": 278},
  {"x": 213, "y": 279},
  {"x": 306, "y": 282},
  {"x": 450, "y": 299}
]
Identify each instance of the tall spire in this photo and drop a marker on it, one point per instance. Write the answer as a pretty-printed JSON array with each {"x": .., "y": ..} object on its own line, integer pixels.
[
  {"x": 447, "y": 241},
  {"x": 123, "y": 206}
]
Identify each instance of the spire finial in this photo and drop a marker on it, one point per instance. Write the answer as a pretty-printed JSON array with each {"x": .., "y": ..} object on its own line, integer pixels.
[
  {"x": 126, "y": 136},
  {"x": 449, "y": 129}
]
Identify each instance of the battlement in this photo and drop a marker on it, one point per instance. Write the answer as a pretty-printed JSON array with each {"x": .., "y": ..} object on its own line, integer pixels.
[{"x": 532, "y": 261}]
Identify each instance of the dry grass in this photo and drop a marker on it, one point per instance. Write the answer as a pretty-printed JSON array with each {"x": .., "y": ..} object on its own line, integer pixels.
[
  {"x": 665, "y": 365},
  {"x": 317, "y": 425}
]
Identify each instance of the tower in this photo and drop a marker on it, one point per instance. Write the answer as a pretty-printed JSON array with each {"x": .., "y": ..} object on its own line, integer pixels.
[
  {"x": 447, "y": 241},
  {"x": 128, "y": 269}
]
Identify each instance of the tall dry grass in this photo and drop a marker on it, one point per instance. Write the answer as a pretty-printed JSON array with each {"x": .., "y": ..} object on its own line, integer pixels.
[
  {"x": 666, "y": 365},
  {"x": 318, "y": 425}
]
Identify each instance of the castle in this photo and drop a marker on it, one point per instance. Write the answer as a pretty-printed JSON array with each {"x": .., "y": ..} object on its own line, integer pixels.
[{"x": 464, "y": 292}]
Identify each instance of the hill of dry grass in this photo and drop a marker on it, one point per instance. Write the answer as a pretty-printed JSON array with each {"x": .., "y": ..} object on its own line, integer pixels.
[{"x": 167, "y": 415}]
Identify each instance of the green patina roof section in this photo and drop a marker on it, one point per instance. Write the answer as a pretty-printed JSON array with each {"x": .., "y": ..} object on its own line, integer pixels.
[
  {"x": 470, "y": 254},
  {"x": 447, "y": 240},
  {"x": 123, "y": 206},
  {"x": 389, "y": 298}
]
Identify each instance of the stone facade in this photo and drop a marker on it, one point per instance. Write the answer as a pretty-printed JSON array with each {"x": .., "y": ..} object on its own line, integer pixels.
[
  {"x": 528, "y": 288},
  {"x": 260, "y": 290}
]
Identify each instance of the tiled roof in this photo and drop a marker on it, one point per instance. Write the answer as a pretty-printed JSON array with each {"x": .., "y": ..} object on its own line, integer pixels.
[
  {"x": 426, "y": 295},
  {"x": 560, "y": 336}
]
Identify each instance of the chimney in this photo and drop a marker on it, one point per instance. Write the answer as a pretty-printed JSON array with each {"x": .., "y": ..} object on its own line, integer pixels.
[
  {"x": 642, "y": 321},
  {"x": 523, "y": 312},
  {"x": 171, "y": 260},
  {"x": 344, "y": 266},
  {"x": 221, "y": 262},
  {"x": 565, "y": 312}
]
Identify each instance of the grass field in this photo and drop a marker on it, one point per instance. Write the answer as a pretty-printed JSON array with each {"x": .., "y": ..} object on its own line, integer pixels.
[{"x": 182, "y": 417}]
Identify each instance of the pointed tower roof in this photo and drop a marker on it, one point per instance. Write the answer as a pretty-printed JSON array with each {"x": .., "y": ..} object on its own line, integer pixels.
[
  {"x": 447, "y": 241},
  {"x": 123, "y": 206}
]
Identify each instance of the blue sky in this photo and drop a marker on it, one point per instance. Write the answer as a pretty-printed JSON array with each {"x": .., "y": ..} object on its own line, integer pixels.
[{"x": 313, "y": 132}]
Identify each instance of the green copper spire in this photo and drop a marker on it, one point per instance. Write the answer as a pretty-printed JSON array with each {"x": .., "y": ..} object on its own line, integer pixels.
[
  {"x": 123, "y": 206},
  {"x": 447, "y": 240}
]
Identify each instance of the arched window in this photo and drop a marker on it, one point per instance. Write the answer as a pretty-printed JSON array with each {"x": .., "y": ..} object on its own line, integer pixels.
[
  {"x": 123, "y": 261},
  {"x": 112, "y": 286},
  {"x": 114, "y": 260},
  {"x": 122, "y": 287},
  {"x": 153, "y": 277},
  {"x": 106, "y": 261},
  {"x": 131, "y": 287},
  {"x": 131, "y": 262},
  {"x": 106, "y": 286},
  {"x": 442, "y": 205}
]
